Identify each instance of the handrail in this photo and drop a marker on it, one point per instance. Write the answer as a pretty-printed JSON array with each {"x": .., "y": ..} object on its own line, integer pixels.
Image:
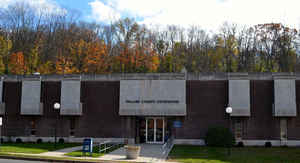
[
  {"x": 107, "y": 145},
  {"x": 167, "y": 145}
]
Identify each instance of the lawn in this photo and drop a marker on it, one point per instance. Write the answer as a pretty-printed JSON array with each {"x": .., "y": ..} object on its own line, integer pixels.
[
  {"x": 94, "y": 154},
  {"x": 200, "y": 154},
  {"x": 33, "y": 148}
]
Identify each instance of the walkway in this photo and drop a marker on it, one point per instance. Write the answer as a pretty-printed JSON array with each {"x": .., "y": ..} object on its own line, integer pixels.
[
  {"x": 60, "y": 153},
  {"x": 149, "y": 153}
]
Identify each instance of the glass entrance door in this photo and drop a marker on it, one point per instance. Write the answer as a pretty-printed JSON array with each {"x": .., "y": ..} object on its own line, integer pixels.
[
  {"x": 150, "y": 130},
  {"x": 155, "y": 130}
]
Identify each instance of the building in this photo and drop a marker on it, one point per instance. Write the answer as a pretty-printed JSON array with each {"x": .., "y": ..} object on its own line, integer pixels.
[{"x": 152, "y": 107}]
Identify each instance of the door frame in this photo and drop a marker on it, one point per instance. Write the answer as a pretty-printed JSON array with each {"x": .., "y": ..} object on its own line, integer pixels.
[{"x": 163, "y": 136}]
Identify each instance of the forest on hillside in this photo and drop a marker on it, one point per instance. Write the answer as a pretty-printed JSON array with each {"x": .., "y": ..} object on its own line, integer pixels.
[{"x": 36, "y": 40}]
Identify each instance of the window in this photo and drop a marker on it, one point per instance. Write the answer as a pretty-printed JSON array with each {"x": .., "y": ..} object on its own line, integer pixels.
[
  {"x": 33, "y": 127},
  {"x": 283, "y": 129},
  {"x": 238, "y": 126}
]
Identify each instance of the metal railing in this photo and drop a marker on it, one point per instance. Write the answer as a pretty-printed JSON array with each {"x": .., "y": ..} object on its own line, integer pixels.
[
  {"x": 167, "y": 145},
  {"x": 106, "y": 145}
]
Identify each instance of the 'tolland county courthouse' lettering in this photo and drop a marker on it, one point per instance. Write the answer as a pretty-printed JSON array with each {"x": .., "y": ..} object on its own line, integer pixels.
[{"x": 149, "y": 108}]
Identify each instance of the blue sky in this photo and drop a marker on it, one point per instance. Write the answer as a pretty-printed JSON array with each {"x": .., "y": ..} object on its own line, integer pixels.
[
  {"x": 208, "y": 14},
  {"x": 80, "y": 5}
]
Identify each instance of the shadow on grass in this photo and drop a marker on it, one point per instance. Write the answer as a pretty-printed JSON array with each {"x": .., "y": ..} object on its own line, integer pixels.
[
  {"x": 200, "y": 154},
  {"x": 34, "y": 148}
]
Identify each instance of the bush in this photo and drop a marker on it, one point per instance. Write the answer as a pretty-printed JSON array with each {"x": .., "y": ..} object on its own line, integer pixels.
[
  {"x": 268, "y": 144},
  {"x": 61, "y": 141},
  {"x": 219, "y": 137},
  {"x": 19, "y": 140},
  {"x": 39, "y": 141},
  {"x": 240, "y": 144}
]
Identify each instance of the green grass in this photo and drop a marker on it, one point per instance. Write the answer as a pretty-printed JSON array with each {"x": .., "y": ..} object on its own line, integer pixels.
[
  {"x": 45, "y": 158},
  {"x": 200, "y": 154},
  {"x": 33, "y": 148},
  {"x": 94, "y": 154}
]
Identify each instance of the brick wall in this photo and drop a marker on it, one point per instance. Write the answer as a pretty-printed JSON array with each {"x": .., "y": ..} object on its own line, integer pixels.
[
  {"x": 205, "y": 107},
  {"x": 100, "y": 116},
  {"x": 206, "y": 102}
]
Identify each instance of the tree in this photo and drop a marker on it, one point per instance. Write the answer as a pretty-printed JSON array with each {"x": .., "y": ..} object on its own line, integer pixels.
[
  {"x": 17, "y": 64},
  {"x": 277, "y": 46},
  {"x": 96, "y": 59},
  {"x": 65, "y": 65},
  {"x": 59, "y": 42},
  {"x": 5, "y": 47},
  {"x": 33, "y": 59},
  {"x": 229, "y": 47}
]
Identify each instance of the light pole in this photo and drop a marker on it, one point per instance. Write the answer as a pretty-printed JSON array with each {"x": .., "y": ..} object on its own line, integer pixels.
[
  {"x": 229, "y": 111},
  {"x": 56, "y": 107}
]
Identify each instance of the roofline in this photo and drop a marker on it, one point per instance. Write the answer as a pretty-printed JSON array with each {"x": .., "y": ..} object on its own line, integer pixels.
[{"x": 155, "y": 76}]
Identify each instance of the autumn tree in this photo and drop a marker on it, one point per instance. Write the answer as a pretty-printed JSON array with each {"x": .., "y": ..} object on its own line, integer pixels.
[
  {"x": 65, "y": 65},
  {"x": 17, "y": 63},
  {"x": 58, "y": 42},
  {"x": 33, "y": 60},
  {"x": 96, "y": 59},
  {"x": 5, "y": 47},
  {"x": 277, "y": 46}
]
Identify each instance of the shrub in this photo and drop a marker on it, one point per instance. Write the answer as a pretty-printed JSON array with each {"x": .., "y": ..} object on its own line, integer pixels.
[
  {"x": 39, "y": 141},
  {"x": 240, "y": 144},
  {"x": 219, "y": 137},
  {"x": 19, "y": 140},
  {"x": 268, "y": 144},
  {"x": 61, "y": 141}
]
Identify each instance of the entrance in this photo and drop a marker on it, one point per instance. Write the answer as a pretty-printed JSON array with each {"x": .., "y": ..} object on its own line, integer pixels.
[{"x": 155, "y": 130}]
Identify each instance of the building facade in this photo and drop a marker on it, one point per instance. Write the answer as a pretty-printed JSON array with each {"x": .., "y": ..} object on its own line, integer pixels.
[{"x": 149, "y": 108}]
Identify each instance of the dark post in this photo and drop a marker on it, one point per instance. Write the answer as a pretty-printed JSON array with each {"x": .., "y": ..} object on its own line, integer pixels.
[
  {"x": 55, "y": 132},
  {"x": 229, "y": 111},
  {"x": 229, "y": 145},
  {"x": 56, "y": 107}
]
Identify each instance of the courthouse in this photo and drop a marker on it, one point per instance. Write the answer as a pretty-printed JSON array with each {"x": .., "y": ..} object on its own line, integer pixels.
[{"x": 150, "y": 108}]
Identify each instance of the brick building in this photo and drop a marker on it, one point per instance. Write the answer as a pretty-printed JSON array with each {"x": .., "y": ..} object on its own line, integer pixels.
[{"x": 152, "y": 107}]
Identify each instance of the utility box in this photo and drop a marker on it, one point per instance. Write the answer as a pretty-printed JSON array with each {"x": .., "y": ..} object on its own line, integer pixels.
[{"x": 87, "y": 146}]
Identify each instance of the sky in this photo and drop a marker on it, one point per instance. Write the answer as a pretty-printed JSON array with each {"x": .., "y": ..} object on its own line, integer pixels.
[{"x": 208, "y": 14}]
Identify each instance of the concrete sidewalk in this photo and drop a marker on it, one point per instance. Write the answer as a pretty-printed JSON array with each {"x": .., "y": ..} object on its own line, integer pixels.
[
  {"x": 60, "y": 153},
  {"x": 149, "y": 153}
]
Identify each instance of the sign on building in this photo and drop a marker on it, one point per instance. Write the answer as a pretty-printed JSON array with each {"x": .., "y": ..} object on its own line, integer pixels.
[{"x": 153, "y": 97}]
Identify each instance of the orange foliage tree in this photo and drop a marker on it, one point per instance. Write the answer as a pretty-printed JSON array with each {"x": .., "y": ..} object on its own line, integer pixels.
[
  {"x": 137, "y": 59},
  {"x": 96, "y": 59},
  {"x": 17, "y": 63},
  {"x": 65, "y": 65}
]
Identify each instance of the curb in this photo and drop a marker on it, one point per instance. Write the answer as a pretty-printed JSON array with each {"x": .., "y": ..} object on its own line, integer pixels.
[
  {"x": 44, "y": 159},
  {"x": 65, "y": 161}
]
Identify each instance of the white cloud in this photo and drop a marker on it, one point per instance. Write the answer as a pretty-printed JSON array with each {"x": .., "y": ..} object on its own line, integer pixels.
[
  {"x": 209, "y": 14},
  {"x": 103, "y": 12},
  {"x": 45, "y": 5}
]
